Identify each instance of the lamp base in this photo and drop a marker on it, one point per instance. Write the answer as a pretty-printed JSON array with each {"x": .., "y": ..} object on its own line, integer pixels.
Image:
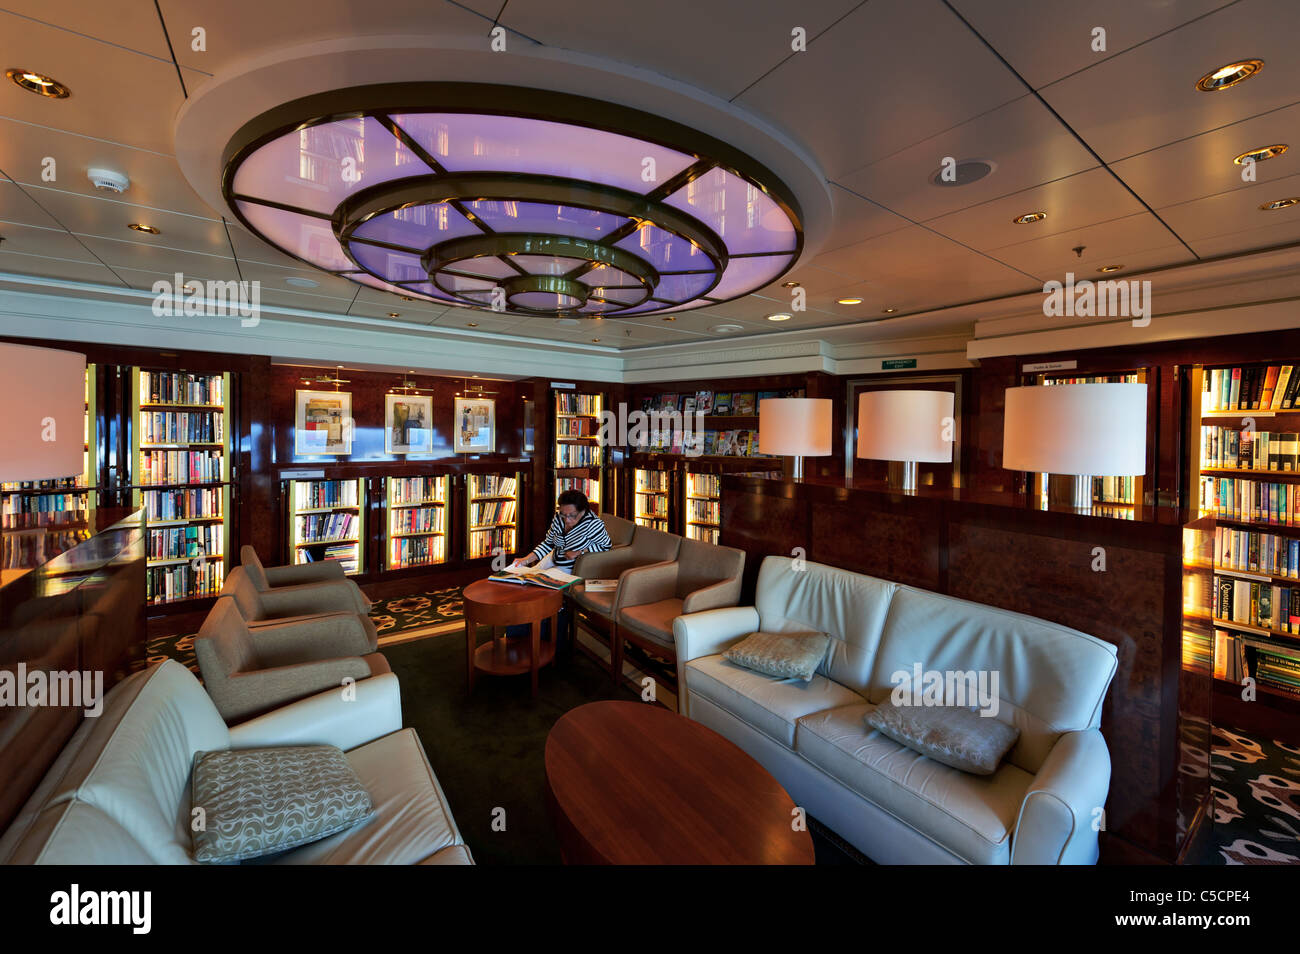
[
  {"x": 902, "y": 475},
  {"x": 796, "y": 468},
  {"x": 1070, "y": 491}
]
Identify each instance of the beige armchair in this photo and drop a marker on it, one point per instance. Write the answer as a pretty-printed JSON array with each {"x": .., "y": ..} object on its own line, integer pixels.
[
  {"x": 620, "y": 530},
  {"x": 647, "y": 547},
  {"x": 250, "y": 671},
  {"x": 649, "y": 598},
  {"x": 293, "y": 603},
  {"x": 267, "y": 578}
]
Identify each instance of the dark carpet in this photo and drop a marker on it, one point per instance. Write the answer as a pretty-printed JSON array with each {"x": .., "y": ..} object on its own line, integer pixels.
[
  {"x": 488, "y": 748},
  {"x": 1256, "y": 785}
]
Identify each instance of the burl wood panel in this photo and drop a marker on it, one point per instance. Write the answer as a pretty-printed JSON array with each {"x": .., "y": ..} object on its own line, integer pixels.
[
  {"x": 762, "y": 525},
  {"x": 878, "y": 539}
]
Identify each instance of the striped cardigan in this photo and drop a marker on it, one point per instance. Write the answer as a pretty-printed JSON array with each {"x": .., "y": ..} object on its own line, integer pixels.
[{"x": 587, "y": 536}]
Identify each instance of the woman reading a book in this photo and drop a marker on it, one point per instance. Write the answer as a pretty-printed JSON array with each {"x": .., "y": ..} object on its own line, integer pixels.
[{"x": 575, "y": 529}]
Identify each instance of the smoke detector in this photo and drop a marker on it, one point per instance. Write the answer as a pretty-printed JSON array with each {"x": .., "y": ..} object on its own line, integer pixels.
[{"x": 105, "y": 180}]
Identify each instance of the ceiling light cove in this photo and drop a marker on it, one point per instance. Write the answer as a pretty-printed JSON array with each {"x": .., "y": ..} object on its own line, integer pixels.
[
  {"x": 1280, "y": 204},
  {"x": 1226, "y": 77},
  {"x": 536, "y": 204},
  {"x": 1029, "y": 217},
  {"x": 38, "y": 83},
  {"x": 1262, "y": 153}
]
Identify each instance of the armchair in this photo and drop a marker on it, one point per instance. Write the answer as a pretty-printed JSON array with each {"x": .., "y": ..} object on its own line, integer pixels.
[
  {"x": 295, "y": 603},
  {"x": 647, "y": 547},
  {"x": 703, "y": 577},
  {"x": 267, "y": 578},
  {"x": 250, "y": 671}
]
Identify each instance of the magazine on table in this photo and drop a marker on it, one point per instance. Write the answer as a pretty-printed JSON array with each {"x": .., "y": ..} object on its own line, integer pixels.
[{"x": 545, "y": 573}]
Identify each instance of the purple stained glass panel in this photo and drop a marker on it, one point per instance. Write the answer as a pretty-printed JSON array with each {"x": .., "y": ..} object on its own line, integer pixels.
[
  {"x": 682, "y": 287},
  {"x": 547, "y": 264},
  {"x": 418, "y": 226},
  {"x": 607, "y": 275},
  {"x": 309, "y": 238},
  {"x": 394, "y": 266},
  {"x": 744, "y": 275},
  {"x": 428, "y": 288},
  {"x": 505, "y": 216},
  {"x": 488, "y": 266},
  {"x": 623, "y": 296},
  {"x": 548, "y": 301},
  {"x": 465, "y": 142},
  {"x": 664, "y": 250},
  {"x": 744, "y": 216},
  {"x": 317, "y": 167}
]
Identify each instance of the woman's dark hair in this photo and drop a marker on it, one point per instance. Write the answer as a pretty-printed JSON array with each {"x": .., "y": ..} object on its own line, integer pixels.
[{"x": 575, "y": 498}]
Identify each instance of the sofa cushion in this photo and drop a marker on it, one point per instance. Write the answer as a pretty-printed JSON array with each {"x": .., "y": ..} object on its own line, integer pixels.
[
  {"x": 848, "y": 607},
  {"x": 654, "y": 621},
  {"x": 952, "y": 735},
  {"x": 265, "y": 800},
  {"x": 784, "y": 655},
  {"x": 972, "y": 816},
  {"x": 72, "y": 833},
  {"x": 768, "y": 704},
  {"x": 411, "y": 820},
  {"x": 1051, "y": 679}
]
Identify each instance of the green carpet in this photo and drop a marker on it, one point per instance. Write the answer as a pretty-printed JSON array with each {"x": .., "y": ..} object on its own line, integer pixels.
[{"x": 488, "y": 749}]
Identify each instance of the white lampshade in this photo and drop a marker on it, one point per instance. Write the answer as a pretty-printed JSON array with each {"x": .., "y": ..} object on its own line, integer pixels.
[
  {"x": 906, "y": 425},
  {"x": 1080, "y": 429},
  {"x": 42, "y": 396},
  {"x": 795, "y": 427}
]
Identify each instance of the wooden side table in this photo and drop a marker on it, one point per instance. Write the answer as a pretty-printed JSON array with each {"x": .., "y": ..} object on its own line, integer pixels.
[{"x": 499, "y": 605}]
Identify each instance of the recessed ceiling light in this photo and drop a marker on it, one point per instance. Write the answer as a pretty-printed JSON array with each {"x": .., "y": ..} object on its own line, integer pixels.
[
  {"x": 963, "y": 173},
  {"x": 298, "y": 282},
  {"x": 779, "y": 316},
  {"x": 393, "y": 314},
  {"x": 594, "y": 340},
  {"x": 1110, "y": 268},
  {"x": 889, "y": 311},
  {"x": 1262, "y": 153},
  {"x": 669, "y": 318},
  {"x": 1227, "y": 76},
  {"x": 1280, "y": 203},
  {"x": 406, "y": 298},
  {"x": 473, "y": 324},
  {"x": 1029, "y": 217},
  {"x": 789, "y": 284},
  {"x": 38, "y": 83},
  {"x": 848, "y": 301},
  {"x": 726, "y": 329},
  {"x": 140, "y": 227}
]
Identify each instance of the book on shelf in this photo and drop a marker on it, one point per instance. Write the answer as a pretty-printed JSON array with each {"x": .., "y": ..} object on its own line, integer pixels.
[
  {"x": 180, "y": 387},
  {"x": 742, "y": 404},
  {"x": 668, "y": 402},
  {"x": 1271, "y": 388},
  {"x": 568, "y": 402},
  {"x": 722, "y": 402},
  {"x": 704, "y": 402}
]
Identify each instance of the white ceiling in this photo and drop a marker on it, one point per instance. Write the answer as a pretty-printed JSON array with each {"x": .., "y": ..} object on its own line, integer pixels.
[{"x": 1126, "y": 157}]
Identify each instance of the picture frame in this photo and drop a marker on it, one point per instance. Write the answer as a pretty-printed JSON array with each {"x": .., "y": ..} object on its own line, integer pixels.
[
  {"x": 408, "y": 424},
  {"x": 473, "y": 426},
  {"x": 322, "y": 423}
]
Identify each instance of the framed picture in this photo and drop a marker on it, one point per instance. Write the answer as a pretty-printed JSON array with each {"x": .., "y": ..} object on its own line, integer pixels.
[
  {"x": 474, "y": 426},
  {"x": 322, "y": 423},
  {"x": 408, "y": 424}
]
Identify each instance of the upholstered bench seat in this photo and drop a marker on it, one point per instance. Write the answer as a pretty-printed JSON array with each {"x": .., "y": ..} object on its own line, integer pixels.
[{"x": 771, "y": 705}]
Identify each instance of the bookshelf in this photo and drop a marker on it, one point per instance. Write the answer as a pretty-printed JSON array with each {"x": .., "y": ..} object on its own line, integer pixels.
[
  {"x": 41, "y": 519},
  {"x": 703, "y": 502},
  {"x": 416, "y": 521},
  {"x": 327, "y": 522},
  {"x": 1244, "y": 565},
  {"x": 576, "y": 452},
  {"x": 492, "y": 514},
  {"x": 181, "y": 461},
  {"x": 651, "y": 494},
  {"x": 1112, "y": 496}
]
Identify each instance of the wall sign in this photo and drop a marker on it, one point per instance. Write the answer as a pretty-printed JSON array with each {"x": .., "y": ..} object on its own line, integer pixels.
[
  {"x": 1050, "y": 366},
  {"x": 558, "y": 384},
  {"x": 897, "y": 364}
]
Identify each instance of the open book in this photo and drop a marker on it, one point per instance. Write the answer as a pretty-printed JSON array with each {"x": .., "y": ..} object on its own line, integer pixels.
[{"x": 545, "y": 573}]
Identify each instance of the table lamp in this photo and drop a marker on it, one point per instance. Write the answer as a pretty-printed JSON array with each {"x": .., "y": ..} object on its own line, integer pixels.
[
  {"x": 906, "y": 426},
  {"x": 1079, "y": 430},
  {"x": 42, "y": 413},
  {"x": 795, "y": 427}
]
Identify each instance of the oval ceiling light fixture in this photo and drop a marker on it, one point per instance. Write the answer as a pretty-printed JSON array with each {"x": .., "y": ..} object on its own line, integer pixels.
[
  {"x": 888, "y": 311},
  {"x": 726, "y": 329},
  {"x": 964, "y": 172},
  {"x": 38, "y": 83},
  {"x": 532, "y": 203},
  {"x": 779, "y": 316},
  {"x": 141, "y": 227},
  {"x": 1029, "y": 217},
  {"x": 848, "y": 301},
  {"x": 1280, "y": 204},
  {"x": 299, "y": 282},
  {"x": 1225, "y": 77},
  {"x": 1262, "y": 153},
  {"x": 1110, "y": 268}
]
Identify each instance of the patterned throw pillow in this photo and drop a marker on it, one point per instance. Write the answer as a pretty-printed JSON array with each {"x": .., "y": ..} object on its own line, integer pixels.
[
  {"x": 260, "y": 801},
  {"x": 785, "y": 655},
  {"x": 952, "y": 735}
]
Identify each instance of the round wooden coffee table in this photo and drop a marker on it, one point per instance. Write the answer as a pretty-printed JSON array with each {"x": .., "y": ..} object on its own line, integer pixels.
[
  {"x": 630, "y": 783},
  {"x": 498, "y": 605}
]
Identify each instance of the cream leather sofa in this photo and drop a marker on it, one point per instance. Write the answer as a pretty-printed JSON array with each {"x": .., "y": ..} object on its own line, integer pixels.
[
  {"x": 893, "y": 804},
  {"x": 119, "y": 793}
]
